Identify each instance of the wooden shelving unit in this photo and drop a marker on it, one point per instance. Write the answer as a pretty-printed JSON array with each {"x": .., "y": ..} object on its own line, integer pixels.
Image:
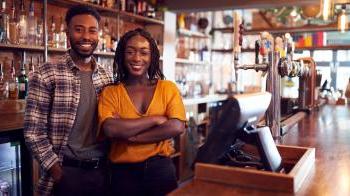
[
  {"x": 110, "y": 12},
  {"x": 189, "y": 33},
  {"x": 57, "y": 50},
  {"x": 223, "y": 50},
  {"x": 21, "y": 47},
  {"x": 68, "y": 3},
  {"x": 189, "y": 62},
  {"x": 41, "y": 49},
  {"x": 141, "y": 19},
  {"x": 330, "y": 47},
  {"x": 302, "y": 29}
]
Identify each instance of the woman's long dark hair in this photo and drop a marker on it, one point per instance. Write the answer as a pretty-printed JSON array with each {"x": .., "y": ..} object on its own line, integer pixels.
[{"x": 119, "y": 70}]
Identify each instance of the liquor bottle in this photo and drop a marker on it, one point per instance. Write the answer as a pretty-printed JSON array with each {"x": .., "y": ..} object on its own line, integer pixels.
[
  {"x": 110, "y": 3},
  {"x": 39, "y": 40},
  {"x": 122, "y": 6},
  {"x": 131, "y": 6},
  {"x": 3, "y": 84},
  {"x": 52, "y": 33},
  {"x": 13, "y": 25},
  {"x": 40, "y": 29},
  {"x": 114, "y": 39},
  {"x": 22, "y": 83},
  {"x": 150, "y": 12},
  {"x": 104, "y": 3},
  {"x": 95, "y": 2},
  {"x": 101, "y": 41},
  {"x": 32, "y": 31},
  {"x": 107, "y": 37},
  {"x": 4, "y": 23},
  {"x": 62, "y": 41},
  {"x": 23, "y": 22},
  {"x": 13, "y": 83},
  {"x": 31, "y": 68}
]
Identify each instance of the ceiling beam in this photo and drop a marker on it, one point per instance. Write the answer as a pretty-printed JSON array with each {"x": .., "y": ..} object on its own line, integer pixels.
[{"x": 212, "y": 5}]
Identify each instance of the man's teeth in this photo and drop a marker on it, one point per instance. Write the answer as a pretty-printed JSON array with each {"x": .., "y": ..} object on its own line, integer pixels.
[{"x": 85, "y": 45}]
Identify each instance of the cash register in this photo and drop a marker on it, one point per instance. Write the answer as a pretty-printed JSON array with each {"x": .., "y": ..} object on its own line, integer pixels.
[{"x": 238, "y": 123}]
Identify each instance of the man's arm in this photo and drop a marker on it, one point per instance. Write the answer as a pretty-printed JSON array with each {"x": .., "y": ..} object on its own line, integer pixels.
[
  {"x": 167, "y": 130},
  {"x": 36, "y": 121},
  {"x": 118, "y": 128}
]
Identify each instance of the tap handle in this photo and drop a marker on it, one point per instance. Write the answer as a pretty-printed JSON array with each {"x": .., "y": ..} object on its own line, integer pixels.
[
  {"x": 241, "y": 31},
  {"x": 257, "y": 50}
]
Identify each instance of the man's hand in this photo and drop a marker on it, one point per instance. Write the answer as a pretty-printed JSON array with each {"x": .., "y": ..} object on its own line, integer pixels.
[{"x": 56, "y": 172}]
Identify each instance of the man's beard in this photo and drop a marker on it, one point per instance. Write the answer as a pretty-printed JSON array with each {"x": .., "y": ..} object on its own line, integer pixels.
[{"x": 83, "y": 55}]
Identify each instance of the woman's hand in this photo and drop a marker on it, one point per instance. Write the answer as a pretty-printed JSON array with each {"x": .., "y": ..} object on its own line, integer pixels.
[{"x": 160, "y": 119}]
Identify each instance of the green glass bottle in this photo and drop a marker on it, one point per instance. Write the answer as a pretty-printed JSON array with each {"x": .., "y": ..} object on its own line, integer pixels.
[{"x": 22, "y": 83}]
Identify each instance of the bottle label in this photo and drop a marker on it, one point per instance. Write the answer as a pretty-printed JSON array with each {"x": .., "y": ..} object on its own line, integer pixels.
[
  {"x": 22, "y": 87},
  {"x": 13, "y": 91},
  {"x": 3, "y": 90},
  {"x": 12, "y": 87}
]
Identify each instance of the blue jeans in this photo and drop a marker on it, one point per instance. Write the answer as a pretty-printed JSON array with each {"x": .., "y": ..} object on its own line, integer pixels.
[{"x": 154, "y": 176}]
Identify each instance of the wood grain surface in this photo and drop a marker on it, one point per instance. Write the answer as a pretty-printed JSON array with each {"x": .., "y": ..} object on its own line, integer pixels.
[{"x": 327, "y": 130}]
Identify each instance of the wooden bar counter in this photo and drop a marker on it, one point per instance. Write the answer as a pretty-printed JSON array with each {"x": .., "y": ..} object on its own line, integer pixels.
[
  {"x": 11, "y": 115},
  {"x": 327, "y": 130},
  {"x": 10, "y": 122}
]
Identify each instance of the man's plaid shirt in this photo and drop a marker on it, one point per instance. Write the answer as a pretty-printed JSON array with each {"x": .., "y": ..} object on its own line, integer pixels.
[{"x": 54, "y": 93}]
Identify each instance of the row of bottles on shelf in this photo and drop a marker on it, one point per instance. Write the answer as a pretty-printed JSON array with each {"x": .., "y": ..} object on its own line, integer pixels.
[
  {"x": 26, "y": 29},
  {"x": 13, "y": 85},
  {"x": 195, "y": 22},
  {"x": 194, "y": 49},
  {"x": 320, "y": 39},
  {"x": 140, "y": 7},
  {"x": 17, "y": 26},
  {"x": 29, "y": 30},
  {"x": 316, "y": 39},
  {"x": 193, "y": 81},
  {"x": 107, "y": 38}
]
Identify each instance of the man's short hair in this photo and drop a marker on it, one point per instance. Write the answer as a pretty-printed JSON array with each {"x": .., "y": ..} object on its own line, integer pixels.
[{"x": 80, "y": 10}]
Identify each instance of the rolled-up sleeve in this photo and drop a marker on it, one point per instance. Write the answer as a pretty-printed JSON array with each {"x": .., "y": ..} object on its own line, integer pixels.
[
  {"x": 36, "y": 129},
  {"x": 106, "y": 108},
  {"x": 175, "y": 106}
]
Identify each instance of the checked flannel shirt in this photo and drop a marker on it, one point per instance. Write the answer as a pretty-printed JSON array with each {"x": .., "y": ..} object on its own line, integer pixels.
[{"x": 52, "y": 102}]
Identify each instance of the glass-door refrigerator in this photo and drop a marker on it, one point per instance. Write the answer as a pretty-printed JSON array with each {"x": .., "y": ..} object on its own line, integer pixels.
[
  {"x": 15, "y": 165},
  {"x": 10, "y": 167}
]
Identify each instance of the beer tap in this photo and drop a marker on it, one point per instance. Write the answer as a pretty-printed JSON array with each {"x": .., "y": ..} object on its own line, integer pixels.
[{"x": 277, "y": 62}]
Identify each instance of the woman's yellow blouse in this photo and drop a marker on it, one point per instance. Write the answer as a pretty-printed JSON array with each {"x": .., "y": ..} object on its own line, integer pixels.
[{"x": 166, "y": 101}]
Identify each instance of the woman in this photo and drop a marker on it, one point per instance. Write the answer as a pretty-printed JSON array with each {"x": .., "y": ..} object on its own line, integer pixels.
[{"x": 140, "y": 114}]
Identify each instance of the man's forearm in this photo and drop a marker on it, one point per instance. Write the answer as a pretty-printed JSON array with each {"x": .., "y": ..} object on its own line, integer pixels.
[{"x": 167, "y": 130}]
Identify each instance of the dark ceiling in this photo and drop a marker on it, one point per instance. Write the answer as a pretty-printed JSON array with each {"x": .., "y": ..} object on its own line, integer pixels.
[{"x": 211, "y": 5}]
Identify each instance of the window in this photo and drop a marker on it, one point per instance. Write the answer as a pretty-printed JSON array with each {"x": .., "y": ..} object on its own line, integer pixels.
[
  {"x": 343, "y": 74},
  {"x": 323, "y": 55},
  {"x": 326, "y": 74}
]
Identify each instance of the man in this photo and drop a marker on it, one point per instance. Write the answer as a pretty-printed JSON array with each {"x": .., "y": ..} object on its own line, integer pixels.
[{"x": 61, "y": 114}]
